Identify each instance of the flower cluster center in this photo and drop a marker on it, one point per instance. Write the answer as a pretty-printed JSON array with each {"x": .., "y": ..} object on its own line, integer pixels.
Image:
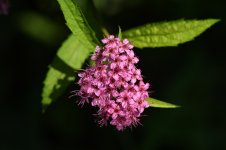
[{"x": 114, "y": 84}]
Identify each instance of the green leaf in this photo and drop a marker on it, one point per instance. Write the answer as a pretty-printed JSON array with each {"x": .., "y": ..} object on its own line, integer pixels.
[
  {"x": 160, "y": 104},
  {"x": 56, "y": 82},
  {"x": 77, "y": 23},
  {"x": 169, "y": 33},
  {"x": 71, "y": 55},
  {"x": 73, "y": 52}
]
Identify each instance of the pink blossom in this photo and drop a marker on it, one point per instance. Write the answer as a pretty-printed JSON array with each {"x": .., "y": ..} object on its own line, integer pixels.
[{"x": 114, "y": 84}]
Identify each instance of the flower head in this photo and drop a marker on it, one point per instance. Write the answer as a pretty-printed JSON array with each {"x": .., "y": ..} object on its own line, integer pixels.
[{"x": 114, "y": 84}]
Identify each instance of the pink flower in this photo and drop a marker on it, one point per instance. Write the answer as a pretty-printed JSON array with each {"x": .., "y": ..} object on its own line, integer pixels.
[
  {"x": 135, "y": 75},
  {"x": 114, "y": 84}
]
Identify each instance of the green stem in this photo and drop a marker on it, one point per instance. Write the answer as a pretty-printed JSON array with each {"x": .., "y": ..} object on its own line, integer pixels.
[{"x": 105, "y": 31}]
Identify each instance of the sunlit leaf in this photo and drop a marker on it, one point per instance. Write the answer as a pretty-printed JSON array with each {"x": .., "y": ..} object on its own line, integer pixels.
[
  {"x": 56, "y": 82},
  {"x": 160, "y": 104},
  {"x": 70, "y": 57},
  {"x": 77, "y": 23},
  {"x": 72, "y": 54},
  {"x": 169, "y": 33}
]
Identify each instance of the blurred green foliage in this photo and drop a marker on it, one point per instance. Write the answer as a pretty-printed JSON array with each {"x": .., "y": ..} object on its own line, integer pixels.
[
  {"x": 39, "y": 27},
  {"x": 191, "y": 75}
]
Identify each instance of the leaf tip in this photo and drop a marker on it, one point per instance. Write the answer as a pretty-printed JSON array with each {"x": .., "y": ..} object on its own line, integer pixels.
[
  {"x": 161, "y": 104},
  {"x": 213, "y": 21}
]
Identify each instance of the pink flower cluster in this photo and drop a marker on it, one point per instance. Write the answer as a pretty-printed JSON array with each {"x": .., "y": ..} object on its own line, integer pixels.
[{"x": 114, "y": 84}]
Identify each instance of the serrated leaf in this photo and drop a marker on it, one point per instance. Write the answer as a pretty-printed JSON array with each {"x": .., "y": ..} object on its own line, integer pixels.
[
  {"x": 77, "y": 23},
  {"x": 70, "y": 57},
  {"x": 160, "y": 104},
  {"x": 56, "y": 82},
  {"x": 169, "y": 33},
  {"x": 72, "y": 54}
]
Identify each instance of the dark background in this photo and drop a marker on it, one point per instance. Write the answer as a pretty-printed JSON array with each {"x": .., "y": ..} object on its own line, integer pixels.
[{"x": 191, "y": 75}]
